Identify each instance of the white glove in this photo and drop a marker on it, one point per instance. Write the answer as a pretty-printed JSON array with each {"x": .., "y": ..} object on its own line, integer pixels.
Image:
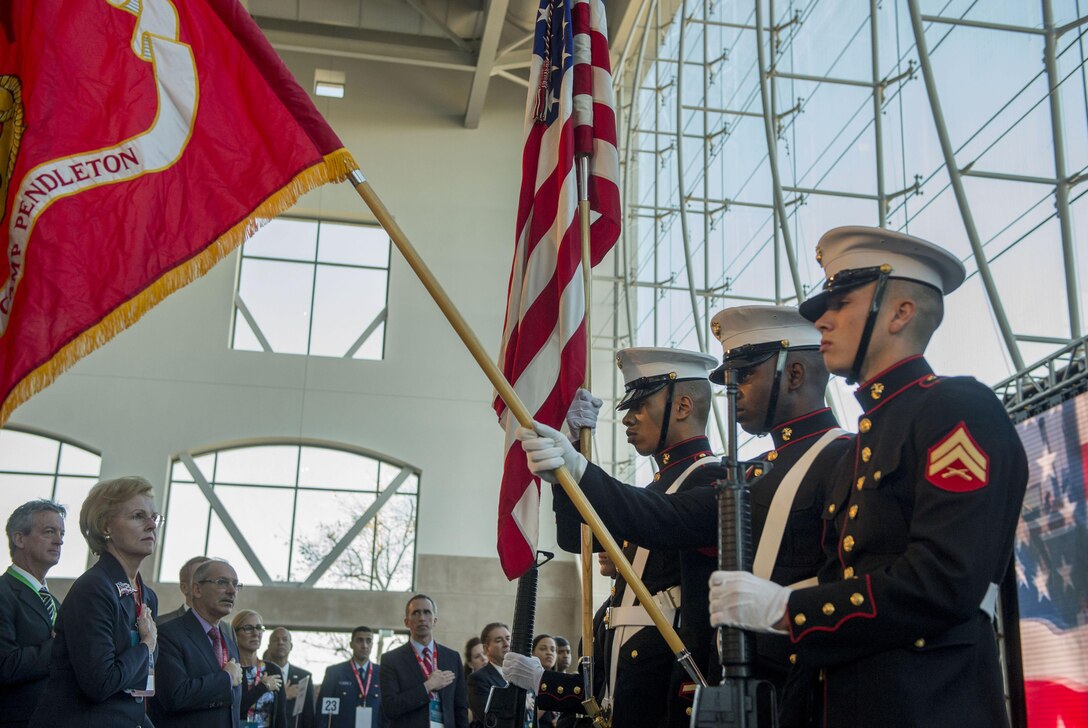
[
  {"x": 546, "y": 449},
  {"x": 525, "y": 672},
  {"x": 741, "y": 599},
  {"x": 583, "y": 412}
]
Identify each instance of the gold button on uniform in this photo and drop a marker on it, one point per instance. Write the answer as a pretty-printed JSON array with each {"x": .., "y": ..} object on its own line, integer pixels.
[
  {"x": 848, "y": 544},
  {"x": 687, "y": 711},
  {"x": 772, "y": 455},
  {"x": 657, "y": 476},
  {"x": 857, "y": 599},
  {"x": 793, "y": 659},
  {"x": 543, "y": 687},
  {"x": 559, "y": 690},
  {"x": 861, "y": 482},
  {"x": 848, "y": 572},
  {"x": 866, "y": 453},
  {"x": 829, "y": 609},
  {"x": 634, "y": 654},
  {"x": 865, "y": 424},
  {"x": 799, "y": 620},
  {"x": 757, "y": 472},
  {"x": 877, "y": 475},
  {"x": 919, "y": 642},
  {"x": 577, "y": 690},
  {"x": 853, "y": 512},
  {"x": 831, "y": 508}
]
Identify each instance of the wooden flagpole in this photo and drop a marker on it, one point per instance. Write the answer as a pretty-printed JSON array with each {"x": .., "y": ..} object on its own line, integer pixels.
[{"x": 518, "y": 409}]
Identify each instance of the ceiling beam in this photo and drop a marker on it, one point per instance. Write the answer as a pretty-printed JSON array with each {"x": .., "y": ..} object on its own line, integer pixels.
[{"x": 485, "y": 59}]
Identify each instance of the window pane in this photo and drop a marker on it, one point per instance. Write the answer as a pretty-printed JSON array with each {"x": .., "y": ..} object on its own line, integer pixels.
[
  {"x": 284, "y": 238},
  {"x": 187, "y": 514},
  {"x": 24, "y": 452},
  {"x": 206, "y": 464},
  {"x": 16, "y": 490},
  {"x": 322, "y": 520},
  {"x": 222, "y": 546},
  {"x": 374, "y": 347},
  {"x": 353, "y": 245},
  {"x": 395, "y": 543},
  {"x": 71, "y": 492},
  {"x": 264, "y": 465},
  {"x": 325, "y": 468},
  {"x": 77, "y": 461},
  {"x": 263, "y": 516},
  {"x": 278, "y": 296},
  {"x": 244, "y": 338},
  {"x": 387, "y": 474},
  {"x": 345, "y": 303}
]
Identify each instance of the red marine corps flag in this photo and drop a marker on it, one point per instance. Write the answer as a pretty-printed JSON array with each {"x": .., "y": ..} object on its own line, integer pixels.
[
  {"x": 570, "y": 112},
  {"x": 140, "y": 142}
]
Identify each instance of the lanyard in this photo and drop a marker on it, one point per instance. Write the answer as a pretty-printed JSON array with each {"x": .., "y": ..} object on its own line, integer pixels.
[
  {"x": 139, "y": 596},
  {"x": 369, "y": 674},
  {"x": 428, "y": 668},
  {"x": 257, "y": 674}
]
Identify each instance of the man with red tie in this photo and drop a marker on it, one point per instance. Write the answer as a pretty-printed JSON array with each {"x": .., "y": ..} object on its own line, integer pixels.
[
  {"x": 423, "y": 682},
  {"x": 198, "y": 678}
]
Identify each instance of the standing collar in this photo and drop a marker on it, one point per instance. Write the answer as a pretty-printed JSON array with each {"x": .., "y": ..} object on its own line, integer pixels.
[
  {"x": 816, "y": 422},
  {"x": 682, "y": 452},
  {"x": 903, "y": 374}
]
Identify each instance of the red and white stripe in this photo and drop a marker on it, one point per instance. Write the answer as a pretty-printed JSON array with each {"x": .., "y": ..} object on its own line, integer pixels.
[{"x": 544, "y": 343}]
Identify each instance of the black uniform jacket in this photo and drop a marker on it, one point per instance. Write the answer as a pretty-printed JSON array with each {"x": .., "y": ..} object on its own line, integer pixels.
[
  {"x": 920, "y": 522},
  {"x": 94, "y": 660},
  {"x": 191, "y": 690},
  {"x": 340, "y": 683},
  {"x": 26, "y": 642},
  {"x": 634, "y": 514},
  {"x": 406, "y": 703}
]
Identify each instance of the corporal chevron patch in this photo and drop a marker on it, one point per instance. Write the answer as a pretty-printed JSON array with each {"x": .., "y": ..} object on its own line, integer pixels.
[{"x": 957, "y": 463}]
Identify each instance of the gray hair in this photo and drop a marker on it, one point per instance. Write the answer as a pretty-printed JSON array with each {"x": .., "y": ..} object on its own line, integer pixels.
[
  {"x": 201, "y": 571},
  {"x": 21, "y": 519}
]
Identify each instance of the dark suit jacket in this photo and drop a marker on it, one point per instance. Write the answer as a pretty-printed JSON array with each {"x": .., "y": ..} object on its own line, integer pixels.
[
  {"x": 26, "y": 642},
  {"x": 340, "y": 683},
  {"x": 406, "y": 703},
  {"x": 295, "y": 674},
  {"x": 171, "y": 615},
  {"x": 191, "y": 690},
  {"x": 479, "y": 688},
  {"x": 94, "y": 661}
]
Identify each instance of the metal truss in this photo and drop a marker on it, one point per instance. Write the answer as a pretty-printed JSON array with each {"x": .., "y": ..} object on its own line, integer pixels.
[
  {"x": 707, "y": 82},
  {"x": 1046, "y": 383}
]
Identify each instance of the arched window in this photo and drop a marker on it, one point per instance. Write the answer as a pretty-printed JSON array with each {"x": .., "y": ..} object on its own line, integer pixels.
[
  {"x": 37, "y": 465},
  {"x": 284, "y": 511}
]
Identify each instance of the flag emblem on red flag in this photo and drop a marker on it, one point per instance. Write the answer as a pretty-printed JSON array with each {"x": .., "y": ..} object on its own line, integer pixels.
[
  {"x": 569, "y": 111},
  {"x": 140, "y": 142}
]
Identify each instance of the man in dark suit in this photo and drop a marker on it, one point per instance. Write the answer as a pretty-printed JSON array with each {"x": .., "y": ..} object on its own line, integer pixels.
[
  {"x": 185, "y": 584},
  {"x": 27, "y": 609},
  {"x": 279, "y": 650},
  {"x": 198, "y": 675},
  {"x": 423, "y": 682},
  {"x": 355, "y": 683},
  {"x": 496, "y": 639}
]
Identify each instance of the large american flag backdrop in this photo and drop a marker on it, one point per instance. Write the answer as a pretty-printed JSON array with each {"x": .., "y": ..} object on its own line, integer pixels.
[
  {"x": 569, "y": 112},
  {"x": 1052, "y": 566}
]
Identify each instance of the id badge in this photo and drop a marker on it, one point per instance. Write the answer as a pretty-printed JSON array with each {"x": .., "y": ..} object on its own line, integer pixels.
[
  {"x": 436, "y": 713},
  {"x": 363, "y": 716},
  {"x": 149, "y": 687}
]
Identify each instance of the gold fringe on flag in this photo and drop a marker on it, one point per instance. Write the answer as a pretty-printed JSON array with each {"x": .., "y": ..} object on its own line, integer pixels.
[{"x": 335, "y": 167}]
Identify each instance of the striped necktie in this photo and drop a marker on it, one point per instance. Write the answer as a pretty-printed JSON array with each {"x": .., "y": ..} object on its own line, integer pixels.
[{"x": 50, "y": 605}]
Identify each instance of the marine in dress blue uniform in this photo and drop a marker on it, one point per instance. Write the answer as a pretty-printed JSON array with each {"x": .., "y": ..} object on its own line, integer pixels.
[{"x": 919, "y": 524}]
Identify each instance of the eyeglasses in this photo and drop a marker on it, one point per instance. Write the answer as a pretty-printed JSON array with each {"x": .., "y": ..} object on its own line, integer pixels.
[
  {"x": 251, "y": 628},
  {"x": 156, "y": 519},
  {"x": 223, "y": 584}
]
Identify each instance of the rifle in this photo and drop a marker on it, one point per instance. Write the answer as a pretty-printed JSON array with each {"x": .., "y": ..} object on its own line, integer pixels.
[
  {"x": 506, "y": 706},
  {"x": 740, "y": 701}
]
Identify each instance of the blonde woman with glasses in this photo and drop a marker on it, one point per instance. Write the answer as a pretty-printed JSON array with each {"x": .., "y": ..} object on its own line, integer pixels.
[
  {"x": 106, "y": 640},
  {"x": 264, "y": 704}
]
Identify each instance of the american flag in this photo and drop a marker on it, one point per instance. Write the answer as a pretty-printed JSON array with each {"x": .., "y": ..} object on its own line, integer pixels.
[
  {"x": 570, "y": 111},
  {"x": 1052, "y": 567}
]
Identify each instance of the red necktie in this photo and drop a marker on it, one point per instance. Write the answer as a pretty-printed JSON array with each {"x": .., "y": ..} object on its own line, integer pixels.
[
  {"x": 218, "y": 646},
  {"x": 428, "y": 661}
]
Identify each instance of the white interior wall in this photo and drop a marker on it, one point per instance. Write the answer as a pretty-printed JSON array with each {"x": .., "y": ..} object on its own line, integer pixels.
[{"x": 171, "y": 383}]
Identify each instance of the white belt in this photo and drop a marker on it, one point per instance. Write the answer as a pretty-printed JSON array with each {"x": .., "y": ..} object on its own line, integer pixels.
[{"x": 637, "y": 616}]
